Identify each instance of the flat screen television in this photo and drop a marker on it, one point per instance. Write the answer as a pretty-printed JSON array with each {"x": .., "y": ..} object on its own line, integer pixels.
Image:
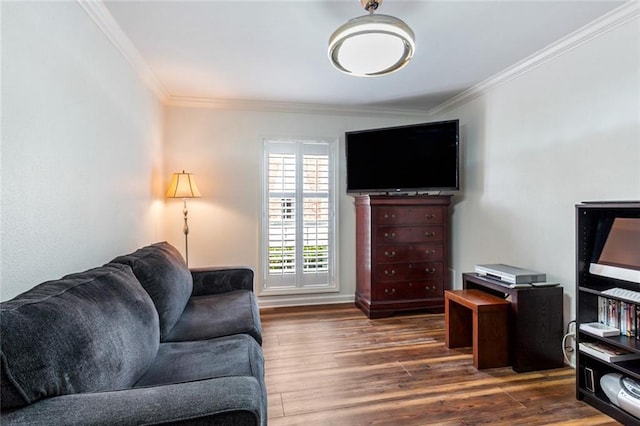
[{"x": 420, "y": 157}]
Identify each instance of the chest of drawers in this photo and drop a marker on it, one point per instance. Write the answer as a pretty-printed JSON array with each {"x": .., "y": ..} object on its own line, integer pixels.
[{"x": 402, "y": 253}]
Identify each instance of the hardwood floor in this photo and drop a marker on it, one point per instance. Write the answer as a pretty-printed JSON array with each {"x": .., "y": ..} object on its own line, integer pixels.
[{"x": 331, "y": 365}]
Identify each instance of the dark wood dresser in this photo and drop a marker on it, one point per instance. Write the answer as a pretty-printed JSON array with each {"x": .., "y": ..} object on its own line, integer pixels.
[{"x": 402, "y": 253}]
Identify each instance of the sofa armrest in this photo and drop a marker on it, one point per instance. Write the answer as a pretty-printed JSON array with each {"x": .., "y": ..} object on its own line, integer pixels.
[
  {"x": 221, "y": 280},
  {"x": 224, "y": 401}
]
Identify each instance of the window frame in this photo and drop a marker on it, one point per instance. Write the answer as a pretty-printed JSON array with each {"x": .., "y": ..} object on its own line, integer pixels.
[{"x": 269, "y": 285}]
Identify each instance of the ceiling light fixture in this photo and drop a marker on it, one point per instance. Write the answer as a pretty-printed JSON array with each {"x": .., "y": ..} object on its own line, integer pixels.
[{"x": 371, "y": 45}]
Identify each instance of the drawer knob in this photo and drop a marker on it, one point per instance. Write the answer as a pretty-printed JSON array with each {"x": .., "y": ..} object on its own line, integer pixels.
[
  {"x": 390, "y": 235},
  {"x": 390, "y": 273},
  {"x": 387, "y": 216},
  {"x": 389, "y": 290},
  {"x": 430, "y": 215},
  {"x": 389, "y": 253},
  {"x": 430, "y": 252},
  {"x": 430, "y": 270},
  {"x": 430, "y": 234}
]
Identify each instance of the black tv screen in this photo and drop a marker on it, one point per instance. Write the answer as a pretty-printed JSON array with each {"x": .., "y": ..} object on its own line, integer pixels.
[{"x": 419, "y": 157}]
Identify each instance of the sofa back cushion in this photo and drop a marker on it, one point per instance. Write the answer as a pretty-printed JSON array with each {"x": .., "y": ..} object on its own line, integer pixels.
[
  {"x": 164, "y": 274},
  {"x": 87, "y": 332}
]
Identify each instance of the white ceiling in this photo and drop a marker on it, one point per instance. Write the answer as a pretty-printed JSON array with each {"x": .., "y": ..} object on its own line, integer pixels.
[{"x": 277, "y": 50}]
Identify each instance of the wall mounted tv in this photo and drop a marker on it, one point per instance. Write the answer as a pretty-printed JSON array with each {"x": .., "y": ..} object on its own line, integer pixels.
[{"x": 420, "y": 157}]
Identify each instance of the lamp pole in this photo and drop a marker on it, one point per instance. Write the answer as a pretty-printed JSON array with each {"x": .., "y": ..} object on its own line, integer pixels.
[
  {"x": 183, "y": 185},
  {"x": 185, "y": 212}
]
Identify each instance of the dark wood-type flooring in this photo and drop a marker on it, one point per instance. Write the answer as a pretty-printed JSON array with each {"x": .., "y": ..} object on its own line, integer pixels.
[{"x": 331, "y": 365}]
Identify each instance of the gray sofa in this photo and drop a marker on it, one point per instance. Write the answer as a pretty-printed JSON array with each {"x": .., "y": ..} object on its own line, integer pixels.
[{"x": 140, "y": 340}]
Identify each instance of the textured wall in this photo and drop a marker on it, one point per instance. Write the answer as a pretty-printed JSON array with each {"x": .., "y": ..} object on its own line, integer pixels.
[
  {"x": 81, "y": 147},
  {"x": 564, "y": 132},
  {"x": 224, "y": 149}
]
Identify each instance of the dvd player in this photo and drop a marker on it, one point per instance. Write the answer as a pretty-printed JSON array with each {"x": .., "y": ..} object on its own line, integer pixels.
[{"x": 510, "y": 274}]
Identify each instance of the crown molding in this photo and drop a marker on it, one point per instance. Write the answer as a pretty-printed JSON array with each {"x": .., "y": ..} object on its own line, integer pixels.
[
  {"x": 617, "y": 17},
  {"x": 98, "y": 12},
  {"x": 101, "y": 16},
  {"x": 288, "y": 107}
]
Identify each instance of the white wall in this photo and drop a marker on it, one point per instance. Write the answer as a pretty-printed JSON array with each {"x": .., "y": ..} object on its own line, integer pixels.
[
  {"x": 223, "y": 148},
  {"x": 83, "y": 176},
  {"x": 81, "y": 147},
  {"x": 564, "y": 132}
]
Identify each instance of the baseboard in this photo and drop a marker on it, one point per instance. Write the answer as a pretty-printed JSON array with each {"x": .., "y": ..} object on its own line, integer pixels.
[{"x": 304, "y": 300}]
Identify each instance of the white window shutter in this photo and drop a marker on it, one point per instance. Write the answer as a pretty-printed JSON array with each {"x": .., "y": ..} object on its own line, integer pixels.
[{"x": 298, "y": 230}]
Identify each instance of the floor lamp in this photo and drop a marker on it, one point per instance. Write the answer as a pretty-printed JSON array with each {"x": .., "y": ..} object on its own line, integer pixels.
[{"x": 183, "y": 185}]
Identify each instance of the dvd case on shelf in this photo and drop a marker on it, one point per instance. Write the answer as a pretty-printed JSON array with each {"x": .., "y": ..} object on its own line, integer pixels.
[{"x": 623, "y": 316}]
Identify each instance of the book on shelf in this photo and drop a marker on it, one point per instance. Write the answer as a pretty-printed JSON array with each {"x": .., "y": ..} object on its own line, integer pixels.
[
  {"x": 599, "y": 329},
  {"x": 606, "y": 352}
]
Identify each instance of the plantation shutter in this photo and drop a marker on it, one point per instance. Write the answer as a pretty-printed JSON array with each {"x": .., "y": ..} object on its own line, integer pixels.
[{"x": 299, "y": 228}]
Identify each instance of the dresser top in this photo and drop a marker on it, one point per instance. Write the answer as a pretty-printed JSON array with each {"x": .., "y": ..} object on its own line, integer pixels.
[{"x": 407, "y": 200}]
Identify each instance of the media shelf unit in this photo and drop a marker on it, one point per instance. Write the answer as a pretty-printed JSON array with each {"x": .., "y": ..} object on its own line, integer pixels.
[
  {"x": 402, "y": 253},
  {"x": 589, "y": 288}
]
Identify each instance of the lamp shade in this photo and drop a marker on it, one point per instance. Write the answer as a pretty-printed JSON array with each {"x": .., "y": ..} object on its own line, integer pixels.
[{"x": 183, "y": 185}]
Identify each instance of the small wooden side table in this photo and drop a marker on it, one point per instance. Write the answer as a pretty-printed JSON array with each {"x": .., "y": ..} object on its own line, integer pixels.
[{"x": 480, "y": 320}]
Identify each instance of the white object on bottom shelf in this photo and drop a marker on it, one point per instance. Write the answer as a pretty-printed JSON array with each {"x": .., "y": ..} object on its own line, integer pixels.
[{"x": 622, "y": 391}]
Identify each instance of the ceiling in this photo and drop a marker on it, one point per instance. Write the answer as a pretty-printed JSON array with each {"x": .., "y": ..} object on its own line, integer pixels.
[{"x": 276, "y": 51}]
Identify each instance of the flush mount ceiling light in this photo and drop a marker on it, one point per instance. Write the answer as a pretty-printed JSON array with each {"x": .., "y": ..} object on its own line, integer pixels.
[{"x": 371, "y": 45}]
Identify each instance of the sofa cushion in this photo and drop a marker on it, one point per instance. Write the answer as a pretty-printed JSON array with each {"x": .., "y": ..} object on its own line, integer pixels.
[
  {"x": 179, "y": 362},
  {"x": 91, "y": 331},
  {"x": 211, "y": 316},
  {"x": 163, "y": 273}
]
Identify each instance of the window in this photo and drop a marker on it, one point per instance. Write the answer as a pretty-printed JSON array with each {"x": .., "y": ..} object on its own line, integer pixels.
[{"x": 298, "y": 224}]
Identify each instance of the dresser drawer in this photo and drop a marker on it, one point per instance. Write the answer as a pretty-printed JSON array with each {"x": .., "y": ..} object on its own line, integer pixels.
[
  {"x": 386, "y": 272},
  {"x": 408, "y": 234},
  {"x": 420, "y": 289},
  {"x": 409, "y": 252},
  {"x": 409, "y": 215}
]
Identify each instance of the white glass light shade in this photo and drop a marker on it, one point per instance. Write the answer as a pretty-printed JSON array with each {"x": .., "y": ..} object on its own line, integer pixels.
[
  {"x": 371, "y": 45},
  {"x": 183, "y": 185}
]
